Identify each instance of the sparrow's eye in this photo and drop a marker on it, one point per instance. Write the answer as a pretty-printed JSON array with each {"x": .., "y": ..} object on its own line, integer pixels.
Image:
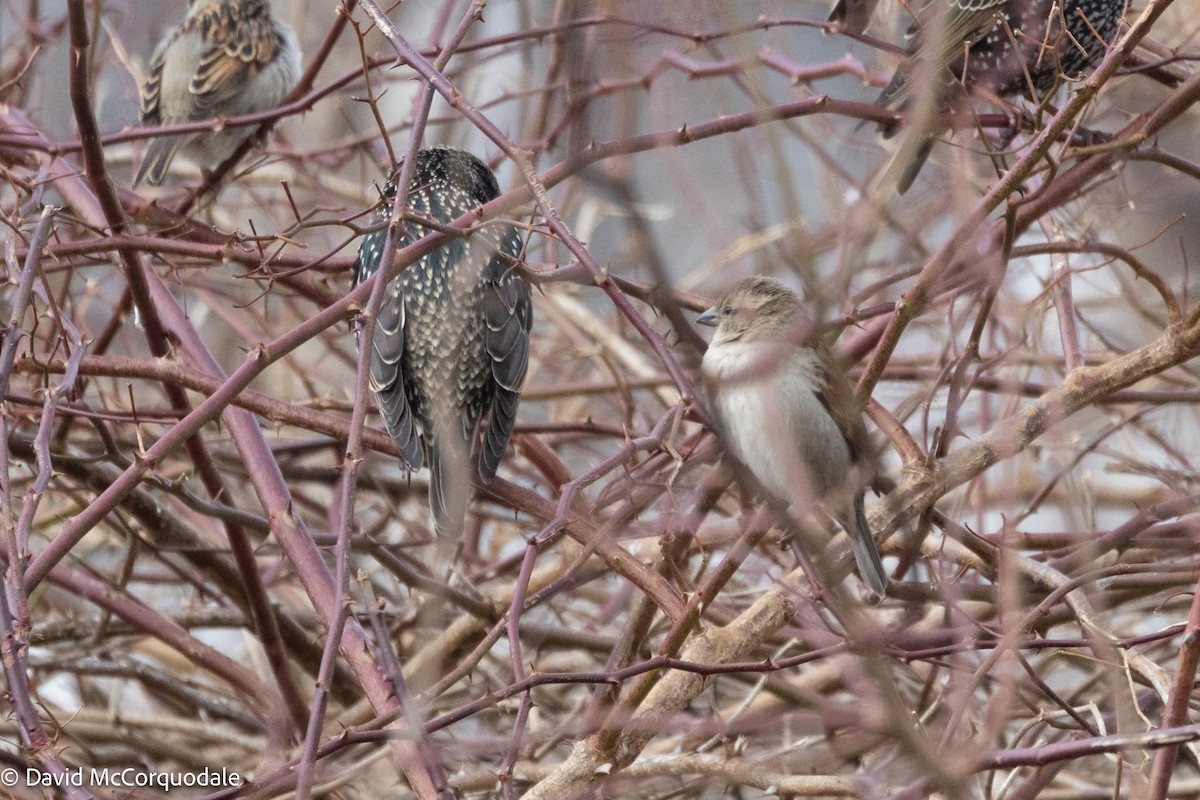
[{"x": 726, "y": 311}]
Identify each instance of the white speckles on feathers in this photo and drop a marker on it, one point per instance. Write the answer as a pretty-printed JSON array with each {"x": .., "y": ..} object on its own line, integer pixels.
[{"x": 450, "y": 346}]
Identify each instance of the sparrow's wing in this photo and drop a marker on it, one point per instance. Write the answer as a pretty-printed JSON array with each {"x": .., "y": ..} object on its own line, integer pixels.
[
  {"x": 235, "y": 47},
  {"x": 161, "y": 150},
  {"x": 837, "y": 396},
  {"x": 152, "y": 89}
]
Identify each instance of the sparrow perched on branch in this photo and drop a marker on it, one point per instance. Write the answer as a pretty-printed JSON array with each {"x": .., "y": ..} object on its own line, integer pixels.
[
  {"x": 228, "y": 58},
  {"x": 785, "y": 409},
  {"x": 451, "y": 343},
  {"x": 1005, "y": 47}
]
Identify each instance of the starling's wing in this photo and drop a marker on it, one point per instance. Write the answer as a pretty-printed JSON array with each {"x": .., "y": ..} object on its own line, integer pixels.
[
  {"x": 387, "y": 350},
  {"x": 387, "y": 378},
  {"x": 941, "y": 41},
  {"x": 962, "y": 24},
  {"x": 508, "y": 314},
  {"x": 236, "y": 46},
  {"x": 962, "y": 15},
  {"x": 852, "y": 16},
  {"x": 968, "y": 21}
]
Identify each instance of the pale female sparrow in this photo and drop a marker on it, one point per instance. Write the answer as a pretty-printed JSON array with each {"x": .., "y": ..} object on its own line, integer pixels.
[{"x": 786, "y": 410}]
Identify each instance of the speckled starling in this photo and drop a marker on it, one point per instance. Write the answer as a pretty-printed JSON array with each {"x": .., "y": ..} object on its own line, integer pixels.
[
  {"x": 451, "y": 343},
  {"x": 786, "y": 410},
  {"x": 228, "y": 58},
  {"x": 1006, "y": 47}
]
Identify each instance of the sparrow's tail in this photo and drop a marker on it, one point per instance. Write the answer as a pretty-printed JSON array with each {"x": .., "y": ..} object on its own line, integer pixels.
[
  {"x": 158, "y": 157},
  {"x": 870, "y": 567}
]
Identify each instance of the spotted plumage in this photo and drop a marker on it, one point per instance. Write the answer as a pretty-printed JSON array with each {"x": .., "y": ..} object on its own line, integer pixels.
[
  {"x": 1007, "y": 47},
  {"x": 451, "y": 343},
  {"x": 228, "y": 58}
]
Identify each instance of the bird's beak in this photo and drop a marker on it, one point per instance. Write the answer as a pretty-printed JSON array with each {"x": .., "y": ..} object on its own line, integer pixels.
[{"x": 708, "y": 318}]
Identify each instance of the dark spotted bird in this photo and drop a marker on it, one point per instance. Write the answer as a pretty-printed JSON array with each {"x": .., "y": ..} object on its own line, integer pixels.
[
  {"x": 1005, "y": 47},
  {"x": 451, "y": 344},
  {"x": 785, "y": 409},
  {"x": 228, "y": 58}
]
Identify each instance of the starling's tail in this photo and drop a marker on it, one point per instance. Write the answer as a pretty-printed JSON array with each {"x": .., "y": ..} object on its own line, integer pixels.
[
  {"x": 906, "y": 163},
  {"x": 870, "y": 567},
  {"x": 918, "y": 141},
  {"x": 450, "y": 483},
  {"x": 912, "y": 165},
  {"x": 158, "y": 157}
]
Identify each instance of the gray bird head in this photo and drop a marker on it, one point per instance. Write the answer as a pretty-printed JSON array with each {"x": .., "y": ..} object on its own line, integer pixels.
[{"x": 756, "y": 308}]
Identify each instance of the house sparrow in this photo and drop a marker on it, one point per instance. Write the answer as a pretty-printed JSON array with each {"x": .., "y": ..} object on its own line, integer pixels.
[
  {"x": 786, "y": 411},
  {"x": 451, "y": 342},
  {"x": 1006, "y": 47},
  {"x": 228, "y": 58}
]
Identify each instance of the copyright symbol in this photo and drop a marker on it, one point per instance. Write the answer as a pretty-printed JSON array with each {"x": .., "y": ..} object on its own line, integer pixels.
[{"x": 9, "y": 777}]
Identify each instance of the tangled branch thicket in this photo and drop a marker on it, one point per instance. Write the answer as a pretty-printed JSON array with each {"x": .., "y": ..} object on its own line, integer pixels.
[{"x": 210, "y": 562}]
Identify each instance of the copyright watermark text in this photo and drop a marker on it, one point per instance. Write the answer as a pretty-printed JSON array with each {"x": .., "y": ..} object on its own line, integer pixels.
[{"x": 128, "y": 778}]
